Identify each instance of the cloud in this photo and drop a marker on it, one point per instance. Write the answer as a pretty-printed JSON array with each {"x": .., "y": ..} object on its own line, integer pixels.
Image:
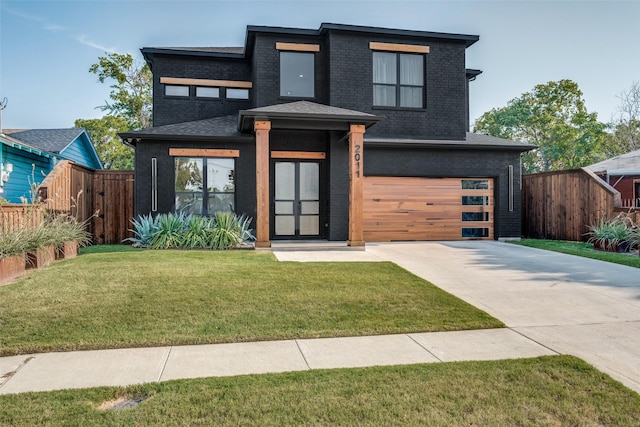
[
  {"x": 53, "y": 27},
  {"x": 85, "y": 41}
]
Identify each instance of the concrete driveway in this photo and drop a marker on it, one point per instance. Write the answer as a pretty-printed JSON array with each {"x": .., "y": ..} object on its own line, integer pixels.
[{"x": 572, "y": 305}]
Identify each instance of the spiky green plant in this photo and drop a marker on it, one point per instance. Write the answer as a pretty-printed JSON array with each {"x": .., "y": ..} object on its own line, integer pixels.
[
  {"x": 195, "y": 231},
  {"x": 226, "y": 232},
  {"x": 170, "y": 231},
  {"x": 144, "y": 228}
]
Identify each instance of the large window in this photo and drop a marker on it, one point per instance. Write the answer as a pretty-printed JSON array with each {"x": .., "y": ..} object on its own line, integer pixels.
[
  {"x": 297, "y": 74},
  {"x": 204, "y": 185},
  {"x": 398, "y": 80}
]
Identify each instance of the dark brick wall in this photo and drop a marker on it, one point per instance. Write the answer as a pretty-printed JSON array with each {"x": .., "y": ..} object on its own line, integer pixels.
[
  {"x": 351, "y": 77},
  {"x": 169, "y": 110},
  {"x": 338, "y": 188},
  {"x": 245, "y": 173},
  {"x": 436, "y": 163}
]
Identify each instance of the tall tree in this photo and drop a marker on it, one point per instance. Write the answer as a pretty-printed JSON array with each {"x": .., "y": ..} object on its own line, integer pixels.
[
  {"x": 625, "y": 126},
  {"x": 553, "y": 117},
  {"x": 104, "y": 134},
  {"x": 131, "y": 93},
  {"x": 128, "y": 107}
]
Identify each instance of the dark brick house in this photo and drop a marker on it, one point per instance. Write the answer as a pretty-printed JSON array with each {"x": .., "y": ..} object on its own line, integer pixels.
[{"x": 340, "y": 133}]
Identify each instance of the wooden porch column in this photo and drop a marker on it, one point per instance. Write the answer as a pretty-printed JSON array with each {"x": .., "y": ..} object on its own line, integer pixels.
[
  {"x": 356, "y": 180},
  {"x": 262, "y": 129}
]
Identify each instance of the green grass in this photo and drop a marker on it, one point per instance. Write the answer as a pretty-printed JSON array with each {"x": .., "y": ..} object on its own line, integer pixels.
[
  {"x": 112, "y": 297},
  {"x": 556, "y": 390},
  {"x": 581, "y": 249}
]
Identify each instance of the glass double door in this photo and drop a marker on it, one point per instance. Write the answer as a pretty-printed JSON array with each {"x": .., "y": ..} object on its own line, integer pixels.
[{"x": 296, "y": 199}]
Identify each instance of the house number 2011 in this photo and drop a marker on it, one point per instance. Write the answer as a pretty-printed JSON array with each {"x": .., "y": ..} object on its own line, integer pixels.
[{"x": 356, "y": 157}]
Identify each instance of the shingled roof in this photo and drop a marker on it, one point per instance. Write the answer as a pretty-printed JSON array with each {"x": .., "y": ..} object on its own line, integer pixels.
[
  {"x": 624, "y": 163},
  {"x": 225, "y": 126},
  {"x": 51, "y": 140}
]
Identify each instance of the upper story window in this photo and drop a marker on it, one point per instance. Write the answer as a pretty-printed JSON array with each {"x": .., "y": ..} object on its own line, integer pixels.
[
  {"x": 233, "y": 93},
  {"x": 173, "y": 90},
  {"x": 207, "y": 92},
  {"x": 297, "y": 74},
  {"x": 206, "y": 88},
  {"x": 398, "y": 80},
  {"x": 297, "y": 69}
]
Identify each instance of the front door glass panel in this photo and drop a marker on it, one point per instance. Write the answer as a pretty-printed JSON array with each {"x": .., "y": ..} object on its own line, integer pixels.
[{"x": 297, "y": 199}]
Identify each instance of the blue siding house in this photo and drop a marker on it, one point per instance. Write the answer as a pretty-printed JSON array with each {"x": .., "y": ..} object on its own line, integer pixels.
[{"x": 27, "y": 156}]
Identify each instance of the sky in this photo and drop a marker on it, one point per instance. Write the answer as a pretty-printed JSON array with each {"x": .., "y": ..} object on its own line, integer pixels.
[{"x": 47, "y": 47}]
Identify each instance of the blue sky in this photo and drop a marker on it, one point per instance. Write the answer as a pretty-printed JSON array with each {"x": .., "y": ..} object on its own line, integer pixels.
[{"x": 47, "y": 47}]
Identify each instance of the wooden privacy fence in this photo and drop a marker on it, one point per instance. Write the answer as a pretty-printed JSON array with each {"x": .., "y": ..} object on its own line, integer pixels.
[
  {"x": 102, "y": 198},
  {"x": 14, "y": 216},
  {"x": 561, "y": 205}
]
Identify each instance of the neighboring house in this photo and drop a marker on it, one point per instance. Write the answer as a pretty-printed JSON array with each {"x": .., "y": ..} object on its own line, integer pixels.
[
  {"x": 623, "y": 174},
  {"x": 32, "y": 154},
  {"x": 340, "y": 133}
]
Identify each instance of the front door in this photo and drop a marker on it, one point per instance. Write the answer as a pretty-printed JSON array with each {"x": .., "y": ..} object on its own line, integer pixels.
[{"x": 296, "y": 200}]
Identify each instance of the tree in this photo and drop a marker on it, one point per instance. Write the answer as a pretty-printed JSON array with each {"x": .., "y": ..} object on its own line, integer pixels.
[
  {"x": 104, "y": 134},
  {"x": 129, "y": 108},
  {"x": 131, "y": 94},
  {"x": 554, "y": 118},
  {"x": 626, "y": 125}
]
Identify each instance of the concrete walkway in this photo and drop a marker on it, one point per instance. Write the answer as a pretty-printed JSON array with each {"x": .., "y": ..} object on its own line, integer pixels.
[
  {"x": 569, "y": 304},
  {"x": 81, "y": 369},
  {"x": 552, "y": 304}
]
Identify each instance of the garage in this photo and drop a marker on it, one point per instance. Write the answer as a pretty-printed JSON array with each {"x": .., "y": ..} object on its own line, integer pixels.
[{"x": 409, "y": 208}]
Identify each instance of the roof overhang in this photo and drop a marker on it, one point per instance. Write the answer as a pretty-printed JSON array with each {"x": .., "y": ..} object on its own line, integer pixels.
[{"x": 305, "y": 115}]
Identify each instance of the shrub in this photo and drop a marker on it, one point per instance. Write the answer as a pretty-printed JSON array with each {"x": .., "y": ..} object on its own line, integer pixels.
[
  {"x": 170, "y": 231},
  {"x": 222, "y": 231},
  {"x": 144, "y": 228}
]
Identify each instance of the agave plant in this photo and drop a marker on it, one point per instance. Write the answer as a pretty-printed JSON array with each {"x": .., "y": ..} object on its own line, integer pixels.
[
  {"x": 144, "y": 228},
  {"x": 170, "y": 231},
  {"x": 196, "y": 229},
  {"x": 224, "y": 232}
]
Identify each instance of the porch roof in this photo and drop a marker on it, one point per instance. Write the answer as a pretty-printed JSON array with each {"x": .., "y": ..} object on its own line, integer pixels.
[{"x": 305, "y": 115}]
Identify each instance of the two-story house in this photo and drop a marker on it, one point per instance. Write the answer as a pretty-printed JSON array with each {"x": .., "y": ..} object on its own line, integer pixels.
[{"x": 341, "y": 133}]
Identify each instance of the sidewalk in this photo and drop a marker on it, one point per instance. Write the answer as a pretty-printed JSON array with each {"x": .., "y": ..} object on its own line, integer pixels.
[{"x": 120, "y": 367}]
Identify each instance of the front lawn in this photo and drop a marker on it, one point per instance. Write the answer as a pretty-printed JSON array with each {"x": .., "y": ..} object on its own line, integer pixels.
[
  {"x": 582, "y": 249},
  {"x": 556, "y": 390},
  {"x": 112, "y": 297}
]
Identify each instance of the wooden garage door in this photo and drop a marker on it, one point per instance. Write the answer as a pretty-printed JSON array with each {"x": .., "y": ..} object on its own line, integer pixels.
[{"x": 427, "y": 209}]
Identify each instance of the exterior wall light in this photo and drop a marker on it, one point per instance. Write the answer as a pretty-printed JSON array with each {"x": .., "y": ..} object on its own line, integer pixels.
[{"x": 5, "y": 171}]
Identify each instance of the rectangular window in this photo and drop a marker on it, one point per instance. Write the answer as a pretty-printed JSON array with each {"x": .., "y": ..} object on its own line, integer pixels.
[
  {"x": 204, "y": 186},
  {"x": 475, "y": 200},
  {"x": 475, "y": 184},
  {"x": 398, "y": 80},
  {"x": 171, "y": 90},
  {"x": 475, "y": 216},
  {"x": 475, "y": 233},
  {"x": 297, "y": 74},
  {"x": 233, "y": 93},
  {"x": 207, "y": 92}
]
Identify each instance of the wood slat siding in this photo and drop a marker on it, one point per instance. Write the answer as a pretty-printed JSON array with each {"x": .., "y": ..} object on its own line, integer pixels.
[
  {"x": 102, "y": 198},
  {"x": 561, "y": 205},
  {"x": 419, "y": 209}
]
